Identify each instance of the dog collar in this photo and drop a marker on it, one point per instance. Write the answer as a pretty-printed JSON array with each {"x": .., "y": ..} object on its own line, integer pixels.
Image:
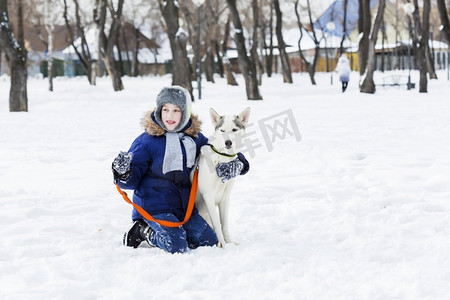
[{"x": 221, "y": 153}]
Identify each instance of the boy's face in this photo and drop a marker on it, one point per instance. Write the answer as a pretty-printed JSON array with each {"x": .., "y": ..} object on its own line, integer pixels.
[{"x": 171, "y": 116}]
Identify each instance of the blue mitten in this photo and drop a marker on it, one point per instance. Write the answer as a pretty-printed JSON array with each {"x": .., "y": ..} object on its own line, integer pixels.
[
  {"x": 229, "y": 170},
  {"x": 122, "y": 166}
]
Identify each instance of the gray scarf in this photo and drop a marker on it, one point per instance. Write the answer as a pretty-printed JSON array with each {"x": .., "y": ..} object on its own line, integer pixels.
[{"x": 173, "y": 157}]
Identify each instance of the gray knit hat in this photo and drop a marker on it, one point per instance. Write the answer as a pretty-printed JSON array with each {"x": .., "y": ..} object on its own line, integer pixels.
[{"x": 178, "y": 96}]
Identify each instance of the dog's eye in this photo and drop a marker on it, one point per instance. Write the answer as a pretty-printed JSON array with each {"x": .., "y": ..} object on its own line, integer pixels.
[
  {"x": 223, "y": 130},
  {"x": 235, "y": 129}
]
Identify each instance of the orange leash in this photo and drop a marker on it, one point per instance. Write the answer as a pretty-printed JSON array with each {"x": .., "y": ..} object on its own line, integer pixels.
[{"x": 189, "y": 210}]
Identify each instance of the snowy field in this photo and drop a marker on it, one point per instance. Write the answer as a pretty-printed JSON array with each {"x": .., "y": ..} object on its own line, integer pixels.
[{"x": 358, "y": 209}]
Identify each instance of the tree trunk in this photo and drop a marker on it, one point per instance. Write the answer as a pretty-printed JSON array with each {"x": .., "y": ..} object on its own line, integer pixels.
[
  {"x": 383, "y": 37},
  {"x": 285, "y": 65},
  {"x": 344, "y": 28},
  {"x": 247, "y": 66},
  {"x": 422, "y": 55},
  {"x": 444, "y": 19},
  {"x": 261, "y": 42},
  {"x": 120, "y": 67},
  {"x": 49, "y": 26},
  {"x": 231, "y": 80},
  {"x": 364, "y": 24},
  {"x": 212, "y": 29},
  {"x": 416, "y": 31},
  {"x": 255, "y": 44},
  {"x": 135, "y": 62},
  {"x": 209, "y": 64},
  {"x": 94, "y": 68},
  {"x": 269, "y": 58},
  {"x": 50, "y": 63},
  {"x": 17, "y": 57},
  {"x": 107, "y": 42},
  {"x": 430, "y": 64},
  {"x": 310, "y": 67},
  {"x": 181, "y": 74},
  {"x": 18, "y": 98},
  {"x": 156, "y": 70},
  {"x": 219, "y": 58},
  {"x": 211, "y": 32},
  {"x": 368, "y": 86},
  {"x": 123, "y": 38}
]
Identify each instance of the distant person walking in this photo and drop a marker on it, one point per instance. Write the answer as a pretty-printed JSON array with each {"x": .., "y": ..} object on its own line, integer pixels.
[{"x": 343, "y": 68}]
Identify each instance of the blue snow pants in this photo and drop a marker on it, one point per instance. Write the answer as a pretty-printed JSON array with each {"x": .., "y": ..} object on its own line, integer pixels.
[{"x": 195, "y": 233}]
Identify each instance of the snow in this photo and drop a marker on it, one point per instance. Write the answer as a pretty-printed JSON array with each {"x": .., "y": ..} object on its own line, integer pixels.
[
  {"x": 181, "y": 34},
  {"x": 357, "y": 209}
]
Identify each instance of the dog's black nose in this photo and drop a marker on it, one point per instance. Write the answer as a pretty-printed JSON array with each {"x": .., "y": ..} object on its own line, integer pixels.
[{"x": 228, "y": 144}]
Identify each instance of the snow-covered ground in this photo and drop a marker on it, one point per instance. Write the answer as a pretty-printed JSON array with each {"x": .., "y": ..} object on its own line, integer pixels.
[{"x": 358, "y": 209}]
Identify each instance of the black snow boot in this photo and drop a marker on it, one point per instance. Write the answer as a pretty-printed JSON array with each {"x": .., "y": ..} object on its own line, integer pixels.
[
  {"x": 344, "y": 86},
  {"x": 138, "y": 233}
]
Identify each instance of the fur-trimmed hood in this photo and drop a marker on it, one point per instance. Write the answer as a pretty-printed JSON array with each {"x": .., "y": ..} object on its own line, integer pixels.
[
  {"x": 151, "y": 127},
  {"x": 155, "y": 191}
]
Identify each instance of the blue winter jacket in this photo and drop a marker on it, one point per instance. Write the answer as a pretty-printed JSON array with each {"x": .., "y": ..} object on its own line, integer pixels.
[{"x": 154, "y": 191}]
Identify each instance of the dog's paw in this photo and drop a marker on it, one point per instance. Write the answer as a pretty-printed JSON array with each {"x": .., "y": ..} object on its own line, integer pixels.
[
  {"x": 221, "y": 244},
  {"x": 232, "y": 242}
]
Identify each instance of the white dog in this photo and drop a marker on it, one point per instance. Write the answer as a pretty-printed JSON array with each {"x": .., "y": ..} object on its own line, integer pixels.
[{"x": 212, "y": 192}]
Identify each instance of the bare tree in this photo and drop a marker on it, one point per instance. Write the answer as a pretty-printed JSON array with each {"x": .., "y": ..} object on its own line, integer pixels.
[
  {"x": 49, "y": 27},
  {"x": 181, "y": 74},
  {"x": 215, "y": 12},
  {"x": 123, "y": 41},
  {"x": 135, "y": 62},
  {"x": 218, "y": 54},
  {"x": 17, "y": 57},
  {"x": 39, "y": 17},
  {"x": 82, "y": 51},
  {"x": 364, "y": 25},
  {"x": 443, "y": 13},
  {"x": 231, "y": 80},
  {"x": 203, "y": 37},
  {"x": 255, "y": 41},
  {"x": 261, "y": 40},
  {"x": 136, "y": 14},
  {"x": 193, "y": 14},
  {"x": 310, "y": 66},
  {"x": 368, "y": 85},
  {"x": 107, "y": 42},
  {"x": 423, "y": 48},
  {"x": 247, "y": 66},
  {"x": 344, "y": 28},
  {"x": 269, "y": 58},
  {"x": 429, "y": 51},
  {"x": 418, "y": 38},
  {"x": 285, "y": 65}
]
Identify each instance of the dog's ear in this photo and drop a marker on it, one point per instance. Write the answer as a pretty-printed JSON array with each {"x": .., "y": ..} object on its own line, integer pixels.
[
  {"x": 215, "y": 117},
  {"x": 244, "y": 116}
]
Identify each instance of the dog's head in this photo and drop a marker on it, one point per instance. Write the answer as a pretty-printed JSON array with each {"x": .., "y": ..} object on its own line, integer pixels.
[{"x": 229, "y": 130}]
